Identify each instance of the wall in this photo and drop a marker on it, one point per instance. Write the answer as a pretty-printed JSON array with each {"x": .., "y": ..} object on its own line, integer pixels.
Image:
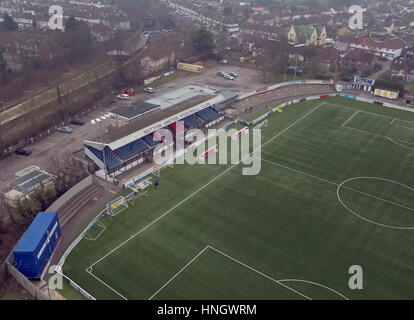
[
  {"x": 24, "y": 282},
  {"x": 79, "y": 187}
]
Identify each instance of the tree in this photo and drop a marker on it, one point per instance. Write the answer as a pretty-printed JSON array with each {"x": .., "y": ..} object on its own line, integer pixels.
[
  {"x": 51, "y": 53},
  {"x": 71, "y": 24},
  {"x": 3, "y": 65},
  {"x": 77, "y": 40},
  {"x": 9, "y": 24},
  {"x": 204, "y": 43}
]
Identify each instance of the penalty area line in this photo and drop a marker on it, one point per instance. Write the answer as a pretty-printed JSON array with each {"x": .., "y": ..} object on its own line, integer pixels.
[
  {"x": 89, "y": 270},
  {"x": 179, "y": 272},
  {"x": 260, "y": 273}
]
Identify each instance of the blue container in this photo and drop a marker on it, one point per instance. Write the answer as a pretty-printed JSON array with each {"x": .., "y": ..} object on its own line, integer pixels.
[{"x": 38, "y": 244}]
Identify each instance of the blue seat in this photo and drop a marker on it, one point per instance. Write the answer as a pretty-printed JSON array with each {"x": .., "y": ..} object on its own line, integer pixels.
[
  {"x": 208, "y": 114},
  {"x": 191, "y": 121},
  {"x": 111, "y": 160},
  {"x": 96, "y": 152},
  {"x": 150, "y": 140},
  {"x": 131, "y": 149}
]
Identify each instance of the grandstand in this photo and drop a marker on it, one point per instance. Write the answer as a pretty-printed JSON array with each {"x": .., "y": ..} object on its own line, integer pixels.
[{"x": 133, "y": 143}]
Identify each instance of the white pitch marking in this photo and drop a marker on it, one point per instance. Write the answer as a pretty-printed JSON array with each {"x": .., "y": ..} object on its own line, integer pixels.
[
  {"x": 345, "y": 187},
  {"x": 316, "y": 284},
  {"x": 179, "y": 272},
  {"x": 104, "y": 283},
  {"x": 260, "y": 273},
  {"x": 401, "y": 145},
  {"x": 350, "y": 118}
]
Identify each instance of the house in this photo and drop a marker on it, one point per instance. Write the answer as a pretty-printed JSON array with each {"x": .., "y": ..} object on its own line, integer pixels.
[
  {"x": 270, "y": 32},
  {"x": 203, "y": 16},
  {"x": 308, "y": 35},
  {"x": 262, "y": 19},
  {"x": 388, "y": 49}
]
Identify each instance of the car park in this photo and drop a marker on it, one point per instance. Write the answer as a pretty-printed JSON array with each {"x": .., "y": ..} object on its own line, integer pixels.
[
  {"x": 23, "y": 152},
  {"x": 66, "y": 130}
]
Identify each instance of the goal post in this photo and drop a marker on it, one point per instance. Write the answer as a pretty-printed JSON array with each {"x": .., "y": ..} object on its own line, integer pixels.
[
  {"x": 262, "y": 124},
  {"x": 95, "y": 231},
  {"x": 158, "y": 168},
  {"x": 117, "y": 206}
]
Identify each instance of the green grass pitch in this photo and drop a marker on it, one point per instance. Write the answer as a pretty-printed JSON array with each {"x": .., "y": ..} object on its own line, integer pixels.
[{"x": 335, "y": 190}]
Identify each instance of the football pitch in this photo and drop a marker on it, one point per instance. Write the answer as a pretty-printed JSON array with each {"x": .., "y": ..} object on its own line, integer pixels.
[{"x": 336, "y": 189}]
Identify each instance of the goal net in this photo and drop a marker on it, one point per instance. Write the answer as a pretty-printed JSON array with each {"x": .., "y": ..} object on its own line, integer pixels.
[
  {"x": 157, "y": 171},
  {"x": 262, "y": 124},
  {"x": 117, "y": 206},
  {"x": 95, "y": 231}
]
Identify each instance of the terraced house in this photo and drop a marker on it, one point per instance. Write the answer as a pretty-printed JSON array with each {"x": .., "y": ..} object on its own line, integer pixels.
[{"x": 308, "y": 35}]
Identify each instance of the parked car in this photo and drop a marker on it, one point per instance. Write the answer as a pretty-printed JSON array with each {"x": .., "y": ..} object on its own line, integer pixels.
[
  {"x": 77, "y": 122},
  {"x": 129, "y": 92},
  {"x": 234, "y": 74},
  {"x": 66, "y": 129},
  {"x": 223, "y": 62},
  {"x": 228, "y": 77},
  {"x": 23, "y": 152},
  {"x": 220, "y": 74},
  {"x": 123, "y": 97},
  {"x": 149, "y": 90}
]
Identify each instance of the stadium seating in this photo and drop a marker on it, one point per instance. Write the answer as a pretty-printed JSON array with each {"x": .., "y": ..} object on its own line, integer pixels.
[
  {"x": 209, "y": 114},
  {"x": 192, "y": 121},
  {"x": 96, "y": 152},
  {"x": 150, "y": 140},
  {"x": 111, "y": 160},
  {"x": 131, "y": 149},
  {"x": 177, "y": 127}
]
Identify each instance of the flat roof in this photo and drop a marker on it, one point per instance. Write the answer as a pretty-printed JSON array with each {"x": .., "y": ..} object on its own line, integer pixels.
[
  {"x": 178, "y": 96},
  {"x": 134, "y": 110},
  {"x": 228, "y": 95},
  {"x": 36, "y": 231},
  {"x": 30, "y": 181},
  {"x": 149, "y": 119}
]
